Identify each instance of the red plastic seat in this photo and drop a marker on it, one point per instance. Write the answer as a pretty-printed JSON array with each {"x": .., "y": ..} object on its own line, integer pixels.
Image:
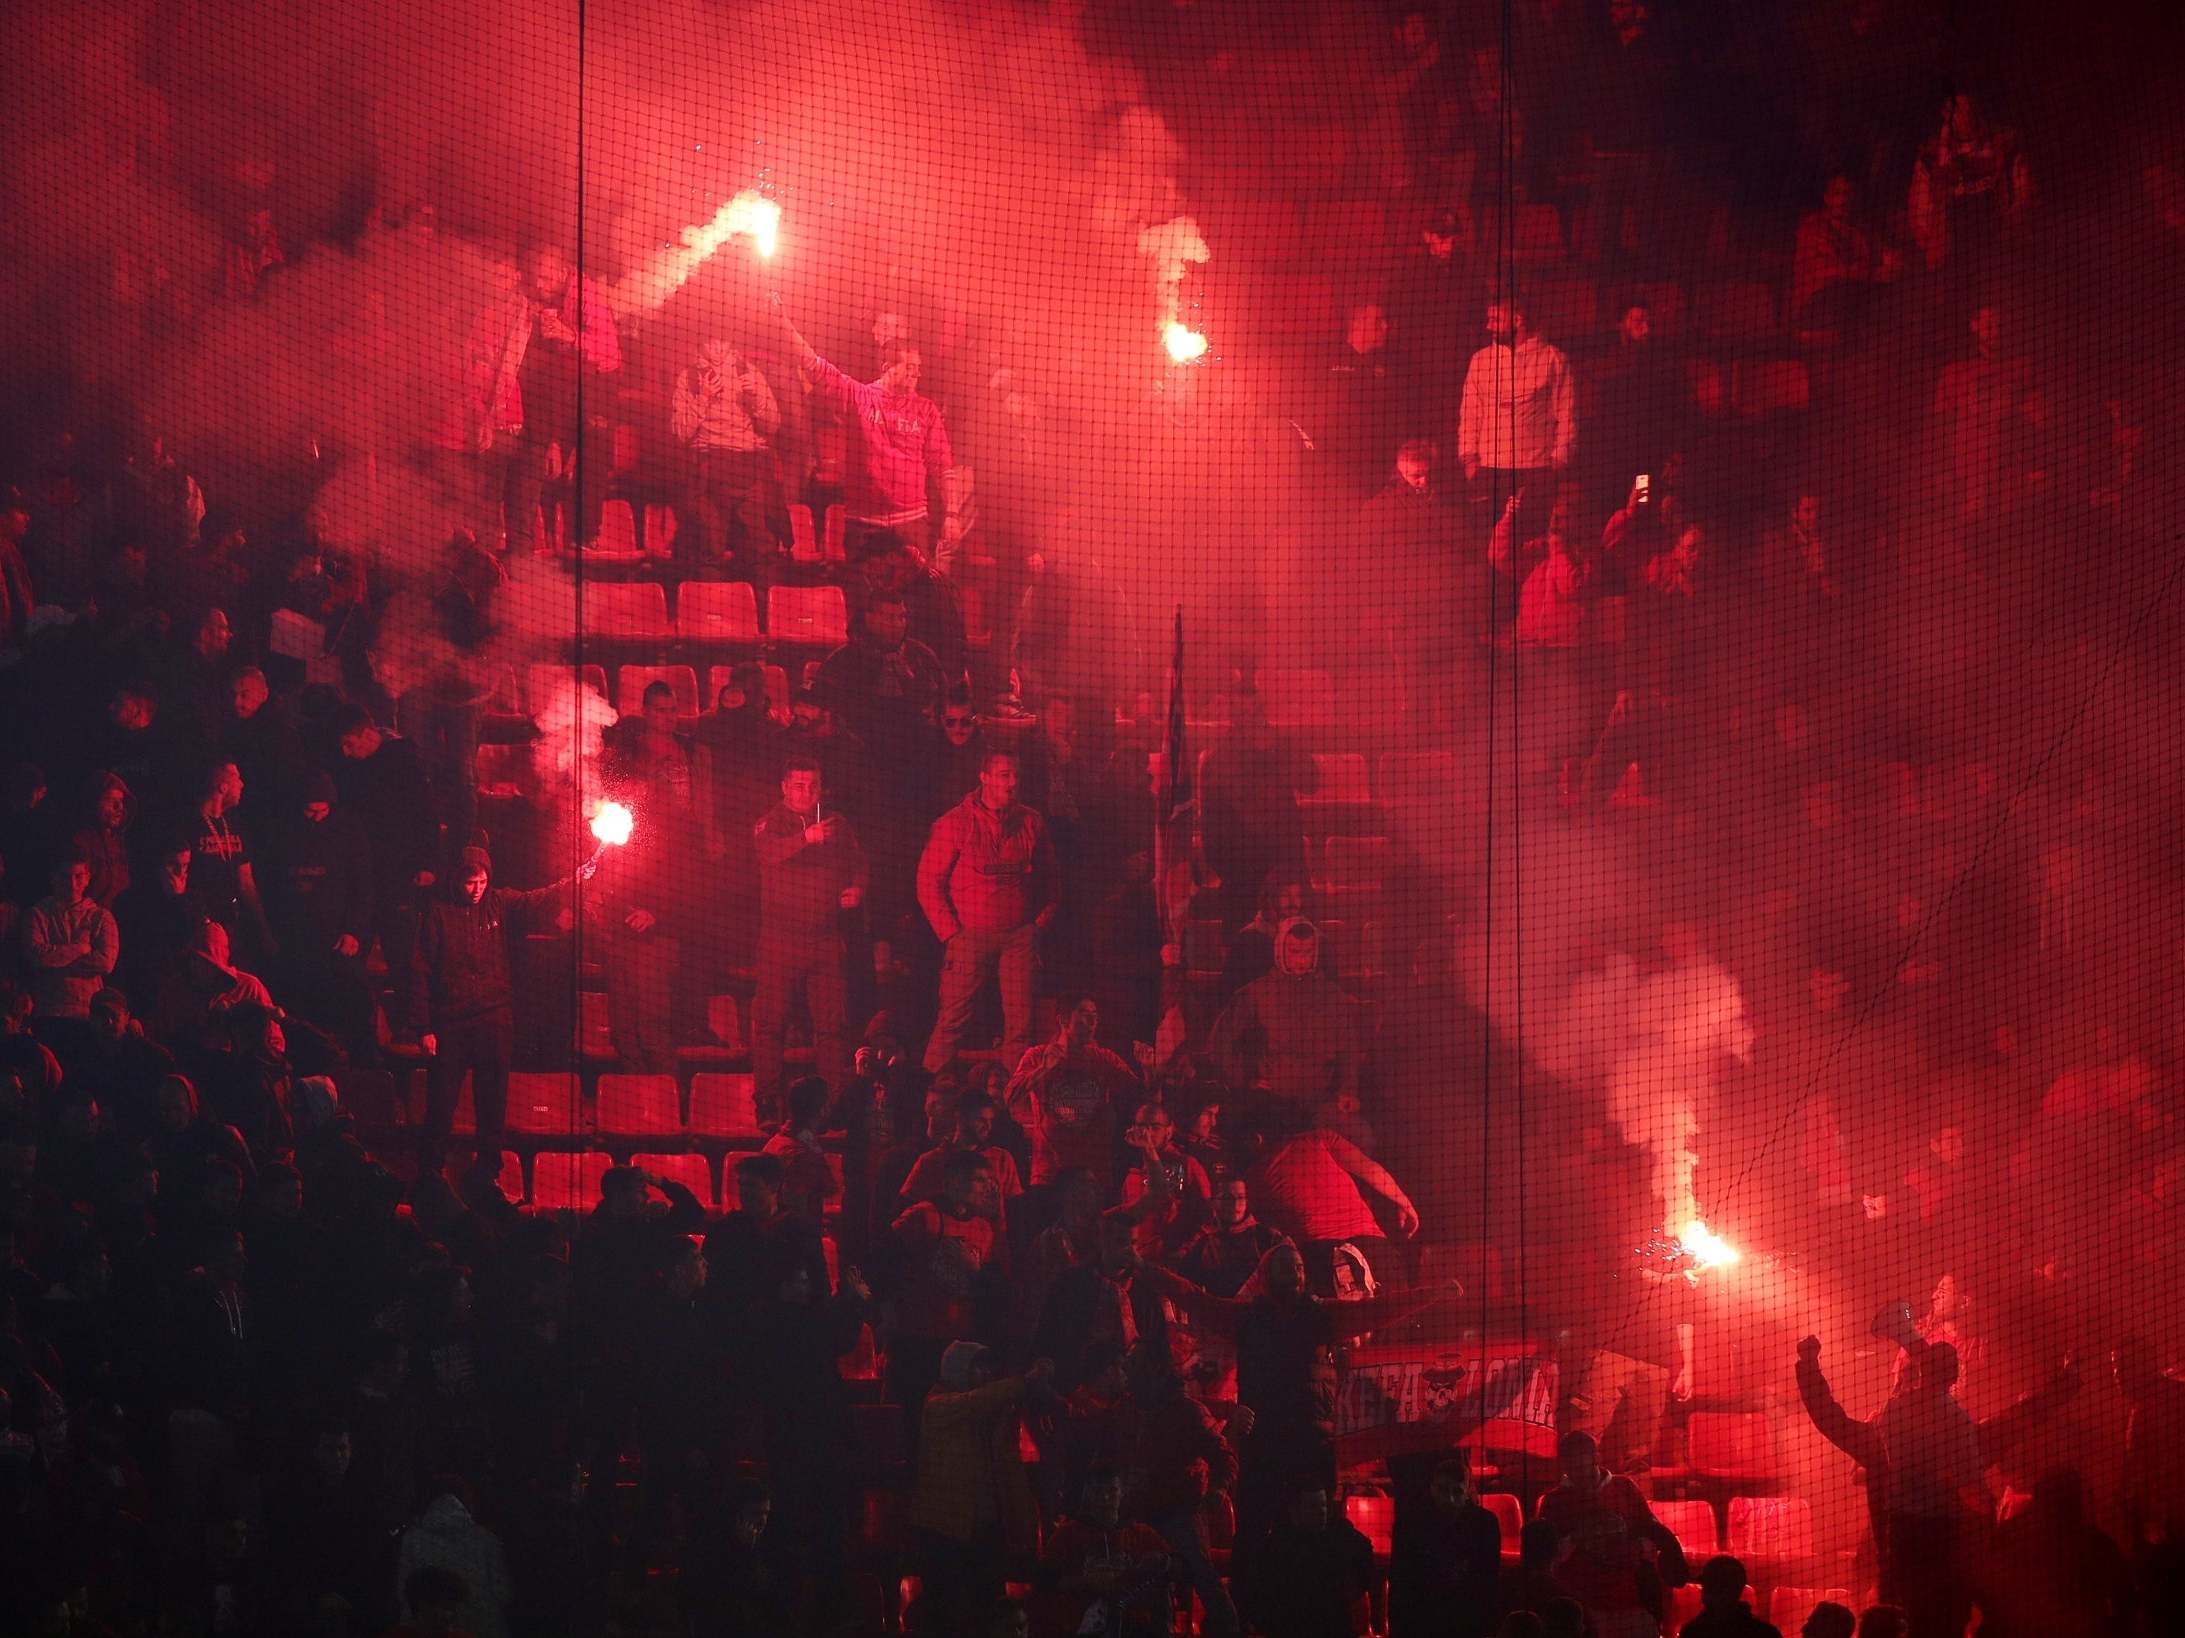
[
  {"x": 724, "y": 1106},
  {"x": 1358, "y": 949},
  {"x": 1731, "y": 1445},
  {"x": 501, "y": 766},
  {"x": 545, "y": 1104},
  {"x": 1374, "y": 1518},
  {"x": 1770, "y": 386},
  {"x": 595, "y": 1040},
  {"x": 631, "y": 681},
  {"x": 626, "y": 611},
  {"x": 1741, "y": 313},
  {"x": 1771, "y": 1527},
  {"x": 814, "y": 615},
  {"x": 640, "y": 1106},
  {"x": 1339, "y": 781},
  {"x": 1509, "y": 1515},
  {"x": 617, "y": 539},
  {"x": 661, "y": 528},
  {"x": 561, "y": 1182},
  {"x": 1417, "y": 779},
  {"x": 803, "y": 537},
  {"x": 1693, "y": 1524},
  {"x": 1353, "y": 864},
  {"x": 719, "y": 613},
  {"x": 694, "y": 1172}
]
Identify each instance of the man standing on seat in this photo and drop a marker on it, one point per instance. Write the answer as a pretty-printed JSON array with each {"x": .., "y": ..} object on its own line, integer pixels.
[
  {"x": 986, "y": 883},
  {"x": 811, "y": 869},
  {"x": 461, "y": 1002},
  {"x": 897, "y": 442}
]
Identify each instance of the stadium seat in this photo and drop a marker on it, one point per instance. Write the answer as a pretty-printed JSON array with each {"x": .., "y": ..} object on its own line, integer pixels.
[
  {"x": 1565, "y": 310},
  {"x": 1769, "y": 386},
  {"x": 719, "y": 613},
  {"x": 1693, "y": 1524},
  {"x": 617, "y": 539},
  {"x": 1730, "y": 1445},
  {"x": 1788, "y": 1607},
  {"x": 834, "y": 535},
  {"x": 626, "y": 611},
  {"x": 1375, "y": 1519},
  {"x": 543, "y": 683},
  {"x": 372, "y": 1098},
  {"x": 813, "y": 615},
  {"x": 545, "y": 1104},
  {"x": 661, "y": 528},
  {"x": 724, "y": 1106},
  {"x": 1204, "y": 951},
  {"x": 631, "y": 682},
  {"x": 1536, "y": 235},
  {"x": 466, "y": 1109},
  {"x": 1298, "y": 699},
  {"x": 1417, "y": 779},
  {"x": 803, "y": 537},
  {"x": 500, "y": 767},
  {"x": 1771, "y": 1527},
  {"x": 1339, "y": 781},
  {"x": 692, "y": 1171},
  {"x": 1509, "y": 1515},
  {"x": 1740, "y": 314},
  {"x": 562, "y": 1182},
  {"x": 640, "y": 1106},
  {"x": 1353, "y": 864},
  {"x": 595, "y": 1041},
  {"x": 1356, "y": 949}
]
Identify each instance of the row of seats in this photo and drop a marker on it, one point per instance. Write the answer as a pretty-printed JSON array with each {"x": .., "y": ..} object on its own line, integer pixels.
[
  {"x": 549, "y": 1106},
  {"x": 622, "y": 541},
  {"x": 714, "y": 613},
  {"x": 560, "y": 1181},
  {"x": 542, "y": 682}
]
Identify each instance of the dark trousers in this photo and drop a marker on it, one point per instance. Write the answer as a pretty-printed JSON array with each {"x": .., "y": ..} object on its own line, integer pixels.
[
  {"x": 1923, "y": 1571},
  {"x": 785, "y": 966},
  {"x": 535, "y": 489},
  {"x": 480, "y": 1047},
  {"x": 730, "y": 496},
  {"x": 1013, "y": 957}
]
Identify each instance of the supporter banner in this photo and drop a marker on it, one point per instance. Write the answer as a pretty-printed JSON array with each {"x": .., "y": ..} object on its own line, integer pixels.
[{"x": 1502, "y": 1396}]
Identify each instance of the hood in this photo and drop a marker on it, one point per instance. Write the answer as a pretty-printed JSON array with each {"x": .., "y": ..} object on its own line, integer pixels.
[
  {"x": 956, "y": 1363},
  {"x": 445, "y": 1513},
  {"x": 1296, "y": 924}
]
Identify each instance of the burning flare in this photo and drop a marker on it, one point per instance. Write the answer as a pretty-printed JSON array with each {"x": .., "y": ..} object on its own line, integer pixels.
[
  {"x": 1705, "y": 1247},
  {"x": 750, "y": 215},
  {"x": 1183, "y": 343},
  {"x": 612, "y": 824}
]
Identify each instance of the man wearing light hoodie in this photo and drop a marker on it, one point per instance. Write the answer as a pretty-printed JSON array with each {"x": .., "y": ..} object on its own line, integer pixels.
[
  {"x": 986, "y": 884},
  {"x": 446, "y": 1537}
]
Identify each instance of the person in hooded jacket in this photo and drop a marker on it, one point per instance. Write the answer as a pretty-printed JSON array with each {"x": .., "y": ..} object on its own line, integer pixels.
[
  {"x": 1294, "y": 1031},
  {"x": 461, "y": 1002}
]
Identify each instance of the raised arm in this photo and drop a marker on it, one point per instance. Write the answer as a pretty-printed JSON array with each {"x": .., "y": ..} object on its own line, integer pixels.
[
  {"x": 1374, "y": 1176},
  {"x": 1861, "y": 1441}
]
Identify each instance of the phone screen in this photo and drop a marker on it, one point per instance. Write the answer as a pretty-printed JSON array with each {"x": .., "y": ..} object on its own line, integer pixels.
[{"x": 1644, "y": 487}]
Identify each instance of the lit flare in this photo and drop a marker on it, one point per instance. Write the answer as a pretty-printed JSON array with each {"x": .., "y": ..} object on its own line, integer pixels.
[
  {"x": 1183, "y": 343},
  {"x": 1706, "y": 1248},
  {"x": 613, "y": 824}
]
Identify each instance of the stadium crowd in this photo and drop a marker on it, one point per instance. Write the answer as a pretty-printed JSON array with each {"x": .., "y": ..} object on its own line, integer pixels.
[{"x": 929, "y": 1177}]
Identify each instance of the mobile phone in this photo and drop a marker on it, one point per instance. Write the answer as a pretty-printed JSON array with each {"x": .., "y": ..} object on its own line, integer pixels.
[{"x": 1642, "y": 488}]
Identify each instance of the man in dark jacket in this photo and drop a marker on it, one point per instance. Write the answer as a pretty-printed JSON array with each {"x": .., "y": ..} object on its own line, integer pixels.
[
  {"x": 986, "y": 883},
  {"x": 382, "y": 785},
  {"x": 1444, "y": 1560},
  {"x": 811, "y": 869},
  {"x": 317, "y": 870},
  {"x": 460, "y": 1001}
]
